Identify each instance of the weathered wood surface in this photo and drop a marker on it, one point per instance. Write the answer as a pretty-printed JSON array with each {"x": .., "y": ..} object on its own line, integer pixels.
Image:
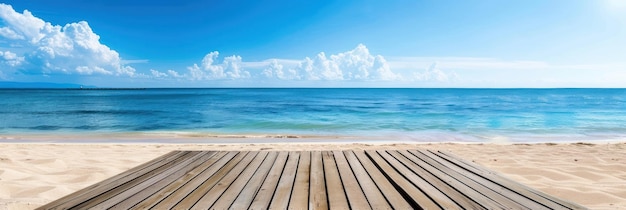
[{"x": 394, "y": 179}]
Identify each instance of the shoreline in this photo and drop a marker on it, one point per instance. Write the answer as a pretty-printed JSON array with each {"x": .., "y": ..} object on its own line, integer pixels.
[
  {"x": 591, "y": 174},
  {"x": 225, "y": 138}
]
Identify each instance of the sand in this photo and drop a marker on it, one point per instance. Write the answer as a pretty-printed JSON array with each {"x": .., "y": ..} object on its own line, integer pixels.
[{"x": 593, "y": 175}]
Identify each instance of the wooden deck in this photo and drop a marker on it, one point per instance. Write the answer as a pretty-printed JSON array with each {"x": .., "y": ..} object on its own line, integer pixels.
[{"x": 404, "y": 179}]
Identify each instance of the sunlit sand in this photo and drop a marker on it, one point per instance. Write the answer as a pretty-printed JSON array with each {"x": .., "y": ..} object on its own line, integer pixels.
[{"x": 592, "y": 175}]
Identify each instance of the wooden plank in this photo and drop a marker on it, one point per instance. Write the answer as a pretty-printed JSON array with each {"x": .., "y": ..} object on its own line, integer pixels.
[
  {"x": 282, "y": 194},
  {"x": 540, "y": 197},
  {"x": 355, "y": 195},
  {"x": 84, "y": 194},
  {"x": 300, "y": 193},
  {"x": 200, "y": 183},
  {"x": 196, "y": 198},
  {"x": 426, "y": 182},
  {"x": 371, "y": 191},
  {"x": 145, "y": 189},
  {"x": 127, "y": 185},
  {"x": 317, "y": 195},
  {"x": 402, "y": 179},
  {"x": 449, "y": 189},
  {"x": 264, "y": 196},
  {"x": 227, "y": 193},
  {"x": 418, "y": 196},
  {"x": 336, "y": 196},
  {"x": 498, "y": 194},
  {"x": 245, "y": 198},
  {"x": 392, "y": 195},
  {"x": 192, "y": 179},
  {"x": 119, "y": 194},
  {"x": 473, "y": 167}
]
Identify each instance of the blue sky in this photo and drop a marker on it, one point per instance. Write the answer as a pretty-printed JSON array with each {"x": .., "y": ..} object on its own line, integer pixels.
[{"x": 476, "y": 43}]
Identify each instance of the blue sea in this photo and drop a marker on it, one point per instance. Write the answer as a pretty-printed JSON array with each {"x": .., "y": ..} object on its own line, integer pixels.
[{"x": 426, "y": 115}]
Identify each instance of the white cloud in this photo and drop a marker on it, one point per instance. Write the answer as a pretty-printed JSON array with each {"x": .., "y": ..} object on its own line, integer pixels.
[
  {"x": 11, "y": 59},
  {"x": 8, "y": 33},
  {"x": 157, "y": 74},
  {"x": 86, "y": 70},
  {"x": 36, "y": 47},
  {"x": 276, "y": 70},
  {"x": 209, "y": 69},
  {"x": 233, "y": 69},
  {"x": 354, "y": 65},
  {"x": 357, "y": 65},
  {"x": 49, "y": 49},
  {"x": 174, "y": 74},
  {"x": 434, "y": 74},
  {"x": 46, "y": 49},
  {"x": 25, "y": 25}
]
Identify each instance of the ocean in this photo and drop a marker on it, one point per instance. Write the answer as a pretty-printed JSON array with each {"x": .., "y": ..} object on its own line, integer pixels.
[{"x": 427, "y": 115}]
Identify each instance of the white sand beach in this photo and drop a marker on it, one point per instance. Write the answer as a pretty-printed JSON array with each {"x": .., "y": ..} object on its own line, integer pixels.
[{"x": 593, "y": 175}]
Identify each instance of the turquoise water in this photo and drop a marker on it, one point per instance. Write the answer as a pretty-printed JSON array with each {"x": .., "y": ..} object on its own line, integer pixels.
[{"x": 418, "y": 114}]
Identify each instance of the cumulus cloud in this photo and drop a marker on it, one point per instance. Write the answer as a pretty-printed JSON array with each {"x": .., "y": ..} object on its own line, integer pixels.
[
  {"x": 36, "y": 47},
  {"x": 167, "y": 74},
  {"x": 354, "y": 65},
  {"x": 48, "y": 49},
  {"x": 8, "y": 33},
  {"x": 10, "y": 59},
  {"x": 210, "y": 69},
  {"x": 174, "y": 74},
  {"x": 157, "y": 74},
  {"x": 277, "y": 70},
  {"x": 434, "y": 74},
  {"x": 357, "y": 64}
]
